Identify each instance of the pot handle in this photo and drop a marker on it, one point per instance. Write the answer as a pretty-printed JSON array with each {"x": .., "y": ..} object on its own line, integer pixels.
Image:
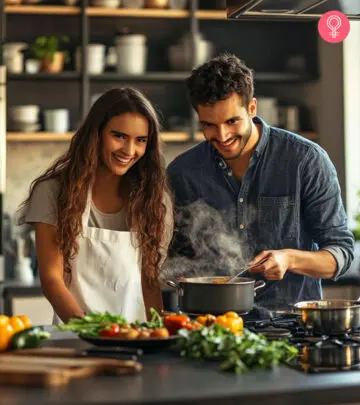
[
  {"x": 259, "y": 284},
  {"x": 172, "y": 284}
]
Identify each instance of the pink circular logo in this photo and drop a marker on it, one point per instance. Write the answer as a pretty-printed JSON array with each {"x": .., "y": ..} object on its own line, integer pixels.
[{"x": 333, "y": 26}]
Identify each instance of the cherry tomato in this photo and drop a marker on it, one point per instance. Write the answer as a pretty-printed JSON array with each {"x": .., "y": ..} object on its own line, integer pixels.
[{"x": 110, "y": 330}]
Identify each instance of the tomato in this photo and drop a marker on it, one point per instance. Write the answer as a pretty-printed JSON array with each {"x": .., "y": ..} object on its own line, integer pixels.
[
  {"x": 25, "y": 320},
  {"x": 110, "y": 330},
  {"x": 175, "y": 322},
  {"x": 16, "y": 323},
  {"x": 4, "y": 320},
  {"x": 6, "y": 332}
]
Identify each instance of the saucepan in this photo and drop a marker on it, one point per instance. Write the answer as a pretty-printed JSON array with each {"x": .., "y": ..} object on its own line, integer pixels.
[
  {"x": 201, "y": 295},
  {"x": 330, "y": 317}
]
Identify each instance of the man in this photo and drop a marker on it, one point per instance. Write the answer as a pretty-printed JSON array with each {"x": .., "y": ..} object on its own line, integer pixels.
[{"x": 277, "y": 191}]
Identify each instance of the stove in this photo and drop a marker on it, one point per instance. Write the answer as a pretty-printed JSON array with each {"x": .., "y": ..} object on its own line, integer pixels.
[{"x": 317, "y": 353}]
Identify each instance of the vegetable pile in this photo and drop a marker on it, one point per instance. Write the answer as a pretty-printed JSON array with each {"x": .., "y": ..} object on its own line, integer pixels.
[
  {"x": 115, "y": 326},
  {"x": 238, "y": 352},
  {"x": 16, "y": 332},
  {"x": 222, "y": 337}
]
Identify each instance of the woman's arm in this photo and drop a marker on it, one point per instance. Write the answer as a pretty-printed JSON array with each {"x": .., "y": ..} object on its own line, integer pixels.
[{"x": 51, "y": 269}]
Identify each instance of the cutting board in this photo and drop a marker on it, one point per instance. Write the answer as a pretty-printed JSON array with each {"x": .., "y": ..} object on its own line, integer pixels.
[{"x": 47, "y": 370}]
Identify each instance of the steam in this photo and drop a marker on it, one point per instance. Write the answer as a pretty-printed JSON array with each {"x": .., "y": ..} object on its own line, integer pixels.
[{"x": 217, "y": 247}]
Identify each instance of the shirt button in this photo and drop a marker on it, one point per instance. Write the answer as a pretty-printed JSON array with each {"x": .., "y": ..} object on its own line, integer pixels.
[
  {"x": 242, "y": 226},
  {"x": 241, "y": 200}
]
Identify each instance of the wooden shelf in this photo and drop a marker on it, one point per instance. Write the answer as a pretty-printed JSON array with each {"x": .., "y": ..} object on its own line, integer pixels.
[
  {"x": 53, "y": 10},
  {"x": 211, "y": 14},
  {"x": 165, "y": 136},
  {"x": 137, "y": 13},
  {"x": 57, "y": 137},
  {"x": 115, "y": 12}
]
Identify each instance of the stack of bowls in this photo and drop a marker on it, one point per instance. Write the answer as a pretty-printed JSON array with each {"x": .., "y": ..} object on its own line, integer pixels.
[{"x": 24, "y": 118}]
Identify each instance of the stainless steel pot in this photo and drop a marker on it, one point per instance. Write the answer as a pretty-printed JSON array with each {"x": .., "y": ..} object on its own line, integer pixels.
[
  {"x": 202, "y": 295},
  {"x": 333, "y": 317}
]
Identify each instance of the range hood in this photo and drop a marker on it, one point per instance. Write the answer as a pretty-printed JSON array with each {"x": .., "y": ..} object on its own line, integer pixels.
[{"x": 290, "y": 9}]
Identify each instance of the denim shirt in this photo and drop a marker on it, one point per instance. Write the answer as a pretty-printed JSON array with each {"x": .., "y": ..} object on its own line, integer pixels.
[{"x": 289, "y": 198}]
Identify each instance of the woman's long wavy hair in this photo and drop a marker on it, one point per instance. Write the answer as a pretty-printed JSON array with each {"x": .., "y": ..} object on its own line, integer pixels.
[{"x": 144, "y": 185}]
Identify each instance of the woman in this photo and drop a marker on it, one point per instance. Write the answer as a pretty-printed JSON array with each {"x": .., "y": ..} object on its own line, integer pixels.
[{"x": 102, "y": 213}]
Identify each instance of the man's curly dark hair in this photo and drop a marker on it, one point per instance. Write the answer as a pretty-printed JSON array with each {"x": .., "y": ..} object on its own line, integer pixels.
[{"x": 216, "y": 79}]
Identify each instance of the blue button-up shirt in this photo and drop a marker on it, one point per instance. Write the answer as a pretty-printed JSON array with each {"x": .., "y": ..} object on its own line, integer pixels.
[{"x": 289, "y": 198}]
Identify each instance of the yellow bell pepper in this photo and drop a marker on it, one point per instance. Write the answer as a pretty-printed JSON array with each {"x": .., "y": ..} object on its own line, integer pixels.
[{"x": 235, "y": 324}]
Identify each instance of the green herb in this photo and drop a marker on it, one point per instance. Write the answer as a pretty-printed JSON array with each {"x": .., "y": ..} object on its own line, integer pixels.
[
  {"x": 156, "y": 321},
  {"x": 238, "y": 353},
  {"x": 92, "y": 323}
]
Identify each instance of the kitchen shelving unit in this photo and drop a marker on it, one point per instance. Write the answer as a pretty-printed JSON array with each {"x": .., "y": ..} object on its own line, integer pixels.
[{"x": 194, "y": 15}]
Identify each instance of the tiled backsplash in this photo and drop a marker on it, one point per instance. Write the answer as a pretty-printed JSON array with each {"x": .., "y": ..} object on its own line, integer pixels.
[{"x": 26, "y": 161}]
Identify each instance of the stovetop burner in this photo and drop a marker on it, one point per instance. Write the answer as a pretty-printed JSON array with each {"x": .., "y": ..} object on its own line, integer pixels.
[{"x": 317, "y": 353}]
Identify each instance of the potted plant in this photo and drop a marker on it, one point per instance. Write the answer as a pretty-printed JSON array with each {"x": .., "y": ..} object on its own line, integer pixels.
[{"x": 48, "y": 50}]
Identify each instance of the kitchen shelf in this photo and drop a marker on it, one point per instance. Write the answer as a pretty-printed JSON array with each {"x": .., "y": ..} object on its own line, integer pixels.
[
  {"x": 116, "y": 12},
  {"x": 44, "y": 76},
  {"x": 165, "y": 136},
  {"x": 50, "y": 10},
  {"x": 211, "y": 14},
  {"x": 149, "y": 76},
  {"x": 139, "y": 13},
  {"x": 57, "y": 137}
]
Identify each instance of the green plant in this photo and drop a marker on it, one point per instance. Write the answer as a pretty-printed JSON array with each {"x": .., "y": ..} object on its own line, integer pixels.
[{"x": 46, "y": 47}]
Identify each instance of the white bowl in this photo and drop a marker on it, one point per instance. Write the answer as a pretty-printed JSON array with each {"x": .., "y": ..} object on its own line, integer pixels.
[{"x": 25, "y": 113}]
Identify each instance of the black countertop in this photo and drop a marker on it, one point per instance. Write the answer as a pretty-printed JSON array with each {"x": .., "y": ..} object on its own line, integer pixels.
[{"x": 168, "y": 379}]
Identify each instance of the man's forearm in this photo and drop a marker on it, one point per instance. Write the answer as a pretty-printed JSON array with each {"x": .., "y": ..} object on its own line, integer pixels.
[{"x": 319, "y": 264}]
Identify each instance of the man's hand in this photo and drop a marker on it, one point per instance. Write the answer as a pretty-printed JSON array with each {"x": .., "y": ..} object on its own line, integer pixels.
[{"x": 272, "y": 263}]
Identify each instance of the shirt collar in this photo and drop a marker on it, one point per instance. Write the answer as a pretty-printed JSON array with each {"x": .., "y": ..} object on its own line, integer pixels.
[{"x": 264, "y": 136}]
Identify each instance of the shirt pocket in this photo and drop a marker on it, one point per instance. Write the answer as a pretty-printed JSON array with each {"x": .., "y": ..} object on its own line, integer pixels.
[{"x": 278, "y": 217}]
